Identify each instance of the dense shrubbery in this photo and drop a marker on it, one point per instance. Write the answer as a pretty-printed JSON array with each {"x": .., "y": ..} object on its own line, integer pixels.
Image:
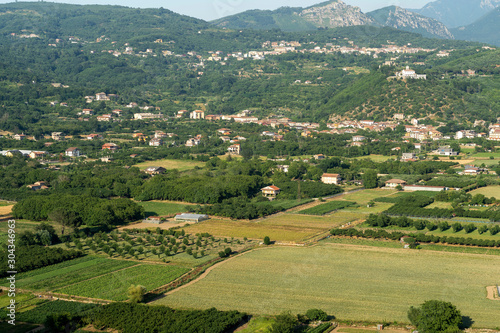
[
  {"x": 458, "y": 182},
  {"x": 31, "y": 257},
  {"x": 200, "y": 189},
  {"x": 79, "y": 209},
  {"x": 123, "y": 317},
  {"x": 290, "y": 190},
  {"x": 240, "y": 208},
  {"x": 419, "y": 237}
]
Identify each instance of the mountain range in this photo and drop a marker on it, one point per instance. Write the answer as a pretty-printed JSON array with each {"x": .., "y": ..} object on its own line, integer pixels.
[
  {"x": 475, "y": 20},
  {"x": 457, "y": 13},
  {"x": 333, "y": 14}
]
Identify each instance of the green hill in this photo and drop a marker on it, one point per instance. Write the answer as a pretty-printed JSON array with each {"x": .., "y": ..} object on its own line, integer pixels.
[
  {"x": 483, "y": 30},
  {"x": 54, "y": 20}
]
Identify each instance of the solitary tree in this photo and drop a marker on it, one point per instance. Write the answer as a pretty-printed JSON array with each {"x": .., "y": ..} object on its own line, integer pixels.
[
  {"x": 435, "y": 316},
  {"x": 267, "y": 240},
  {"x": 136, "y": 293}
]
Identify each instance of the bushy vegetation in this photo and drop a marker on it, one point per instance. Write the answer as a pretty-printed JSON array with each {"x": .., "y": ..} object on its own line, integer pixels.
[
  {"x": 34, "y": 256},
  {"x": 123, "y": 317},
  {"x": 419, "y": 237},
  {"x": 74, "y": 210}
]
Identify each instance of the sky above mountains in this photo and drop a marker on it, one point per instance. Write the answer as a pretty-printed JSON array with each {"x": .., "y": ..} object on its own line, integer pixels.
[{"x": 214, "y": 9}]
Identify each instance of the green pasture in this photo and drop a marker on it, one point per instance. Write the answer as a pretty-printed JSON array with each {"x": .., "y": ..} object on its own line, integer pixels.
[
  {"x": 113, "y": 286},
  {"x": 162, "y": 208},
  {"x": 349, "y": 282},
  {"x": 69, "y": 272},
  {"x": 181, "y": 165}
]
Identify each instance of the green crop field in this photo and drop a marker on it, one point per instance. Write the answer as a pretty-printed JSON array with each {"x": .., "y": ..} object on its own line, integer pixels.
[
  {"x": 376, "y": 158},
  {"x": 180, "y": 165},
  {"x": 160, "y": 208},
  {"x": 327, "y": 207},
  {"x": 349, "y": 282},
  {"x": 113, "y": 286},
  {"x": 69, "y": 272},
  {"x": 288, "y": 204},
  {"x": 488, "y": 191},
  {"x": 365, "y": 196}
]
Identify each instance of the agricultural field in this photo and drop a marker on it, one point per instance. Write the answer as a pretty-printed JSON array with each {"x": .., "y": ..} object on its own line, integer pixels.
[
  {"x": 346, "y": 281},
  {"x": 171, "y": 164},
  {"x": 488, "y": 191},
  {"x": 5, "y": 208},
  {"x": 254, "y": 230},
  {"x": 163, "y": 208},
  {"x": 327, "y": 207},
  {"x": 376, "y": 158},
  {"x": 113, "y": 286},
  {"x": 364, "y": 197},
  {"x": 439, "y": 204},
  {"x": 284, "y": 227},
  {"x": 69, "y": 272},
  {"x": 290, "y": 203}
]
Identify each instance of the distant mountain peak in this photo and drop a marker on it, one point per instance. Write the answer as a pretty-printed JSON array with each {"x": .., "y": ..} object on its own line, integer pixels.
[
  {"x": 335, "y": 13},
  {"x": 400, "y": 18},
  {"x": 456, "y": 13}
]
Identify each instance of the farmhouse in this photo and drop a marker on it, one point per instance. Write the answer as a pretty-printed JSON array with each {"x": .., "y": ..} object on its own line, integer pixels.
[
  {"x": 410, "y": 74},
  {"x": 73, "y": 152},
  {"x": 155, "y": 170},
  {"x": 409, "y": 157},
  {"x": 153, "y": 220},
  {"x": 331, "y": 178},
  {"x": 110, "y": 146},
  {"x": 446, "y": 151},
  {"x": 156, "y": 142},
  {"x": 94, "y": 136},
  {"x": 234, "y": 149},
  {"x": 270, "y": 192},
  {"x": 197, "y": 114},
  {"x": 393, "y": 183},
  {"x": 191, "y": 217}
]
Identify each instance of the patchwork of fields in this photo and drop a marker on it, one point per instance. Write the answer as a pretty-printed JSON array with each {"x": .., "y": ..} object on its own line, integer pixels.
[
  {"x": 97, "y": 277},
  {"x": 350, "y": 282}
]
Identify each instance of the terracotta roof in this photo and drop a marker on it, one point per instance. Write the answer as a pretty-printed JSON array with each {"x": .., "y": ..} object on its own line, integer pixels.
[
  {"x": 330, "y": 175},
  {"x": 272, "y": 187}
]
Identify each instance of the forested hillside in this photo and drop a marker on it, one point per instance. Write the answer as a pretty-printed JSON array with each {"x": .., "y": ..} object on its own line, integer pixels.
[{"x": 159, "y": 58}]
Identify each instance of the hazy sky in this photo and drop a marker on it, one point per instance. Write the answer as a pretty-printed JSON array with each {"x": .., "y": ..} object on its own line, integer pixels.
[{"x": 212, "y": 9}]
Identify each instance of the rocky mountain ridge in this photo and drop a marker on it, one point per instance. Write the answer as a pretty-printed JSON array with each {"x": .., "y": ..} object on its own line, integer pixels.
[{"x": 400, "y": 18}]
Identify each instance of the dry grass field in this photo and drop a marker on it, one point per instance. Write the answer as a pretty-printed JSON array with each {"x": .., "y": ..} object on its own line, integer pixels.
[
  {"x": 489, "y": 191},
  {"x": 4, "y": 210},
  {"x": 252, "y": 230},
  {"x": 171, "y": 164},
  {"x": 284, "y": 227},
  {"x": 350, "y": 282}
]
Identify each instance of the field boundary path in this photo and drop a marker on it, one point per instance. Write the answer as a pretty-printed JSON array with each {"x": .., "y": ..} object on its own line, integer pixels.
[{"x": 62, "y": 297}]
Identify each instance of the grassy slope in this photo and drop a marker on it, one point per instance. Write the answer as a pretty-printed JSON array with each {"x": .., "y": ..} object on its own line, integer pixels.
[{"x": 349, "y": 282}]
